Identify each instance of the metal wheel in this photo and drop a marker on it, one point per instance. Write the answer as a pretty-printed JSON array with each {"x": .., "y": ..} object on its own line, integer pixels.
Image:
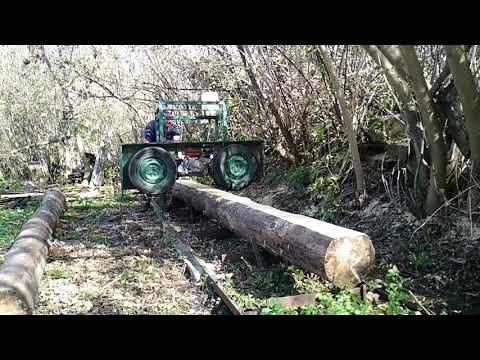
[
  {"x": 234, "y": 167},
  {"x": 152, "y": 170}
]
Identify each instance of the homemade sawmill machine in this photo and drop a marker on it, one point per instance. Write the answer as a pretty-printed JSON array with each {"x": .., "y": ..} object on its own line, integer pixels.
[{"x": 153, "y": 168}]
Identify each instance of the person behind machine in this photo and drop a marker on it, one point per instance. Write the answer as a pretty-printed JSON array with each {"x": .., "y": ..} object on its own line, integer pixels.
[
  {"x": 150, "y": 136},
  {"x": 170, "y": 129}
]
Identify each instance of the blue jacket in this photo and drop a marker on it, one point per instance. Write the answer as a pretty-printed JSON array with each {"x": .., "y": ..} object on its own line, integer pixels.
[{"x": 150, "y": 131}]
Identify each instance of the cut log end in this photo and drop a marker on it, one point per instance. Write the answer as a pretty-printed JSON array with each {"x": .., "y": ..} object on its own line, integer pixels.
[{"x": 347, "y": 260}]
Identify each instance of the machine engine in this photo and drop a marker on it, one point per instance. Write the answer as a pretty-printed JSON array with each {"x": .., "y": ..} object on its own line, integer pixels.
[{"x": 194, "y": 162}]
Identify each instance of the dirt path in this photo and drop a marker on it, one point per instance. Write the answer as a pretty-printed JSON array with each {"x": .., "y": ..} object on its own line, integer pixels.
[{"x": 108, "y": 258}]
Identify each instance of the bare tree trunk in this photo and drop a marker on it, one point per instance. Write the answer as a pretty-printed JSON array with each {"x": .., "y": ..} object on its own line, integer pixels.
[
  {"x": 395, "y": 57},
  {"x": 433, "y": 130},
  {"x": 97, "y": 174},
  {"x": 447, "y": 102},
  {"x": 347, "y": 121},
  {"x": 403, "y": 93},
  {"x": 469, "y": 97},
  {"x": 303, "y": 106},
  {"x": 416, "y": 164}
]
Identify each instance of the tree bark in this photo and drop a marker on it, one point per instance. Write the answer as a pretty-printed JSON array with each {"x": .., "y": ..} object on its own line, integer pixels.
[
  {"x": 433, "y": 130},
  {"x": 469, "y": 97},
  {"x": 97, "y": 173},
  {"x": 24, "y": 264},
  {"x": 395, "y": 57},
  {"x": 447, "y": 101},
  {"x": 347, "y": 121},
  {"x": 339, "y": 255},
  {"x": 87, "y": 170},
  {"x": 420, "y": 154},
  {"x": 404, "y": 94}
]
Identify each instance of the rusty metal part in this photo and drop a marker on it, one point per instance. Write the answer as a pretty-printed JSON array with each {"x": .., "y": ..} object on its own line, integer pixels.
[
  {"x": 296, "y": 301},
  {"x": 211, "y": 278}
]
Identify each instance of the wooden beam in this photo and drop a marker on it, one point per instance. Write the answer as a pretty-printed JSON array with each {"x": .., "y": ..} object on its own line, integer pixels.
[
  {"x": 200, "y": 266},
  {"x": 20, "y": 195},
  {"x": 338, "y": 254}
]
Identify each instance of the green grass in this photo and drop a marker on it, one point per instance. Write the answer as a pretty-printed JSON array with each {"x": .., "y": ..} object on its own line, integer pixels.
[
  {"x": 13, "y": 185},
  {"x": 89, "y": 295},
  {"x": 98, "y": 238},
  {"x": 127, "y": 277},
  {"x": 57, "y": 274},
  {"x": 420, "y": 261},
  {"x": 90, "y": 212},
  {"x": 255, "y": 293},
  {"x": 11, "y": 220},
  {"x": 144, "y": 261}
]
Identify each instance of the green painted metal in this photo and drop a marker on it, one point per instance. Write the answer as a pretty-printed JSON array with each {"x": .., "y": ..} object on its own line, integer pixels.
[
  {"x": 152, "y": 171},
  {"x": 221, "y": 120},
  {"x": 236, "y": 167},
  {"x": 127, "y": 151}
]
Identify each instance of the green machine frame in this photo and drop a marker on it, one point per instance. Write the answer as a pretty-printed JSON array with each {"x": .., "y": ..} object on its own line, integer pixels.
[
  {"x": 200, "y": 114},
  {"x": 197, "y": 111}
]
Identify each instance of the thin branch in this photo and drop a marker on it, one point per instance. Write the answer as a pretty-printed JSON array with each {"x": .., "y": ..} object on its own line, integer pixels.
[{"x": 446, "y": 203}]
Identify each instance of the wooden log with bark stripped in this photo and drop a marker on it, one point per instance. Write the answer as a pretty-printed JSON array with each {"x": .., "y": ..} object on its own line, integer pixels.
[
  {"x": 340, "y": 255},
  {"x": 24, "y": 264}
]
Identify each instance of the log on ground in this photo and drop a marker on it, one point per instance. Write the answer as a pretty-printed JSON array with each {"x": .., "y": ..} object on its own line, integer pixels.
[
  {"x": 24, "y": 263},
  {"x": 339, "y": 255}
]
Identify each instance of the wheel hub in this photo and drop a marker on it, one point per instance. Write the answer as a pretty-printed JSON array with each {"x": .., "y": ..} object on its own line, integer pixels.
[
  {"x": 152, "y": 171},
  {"x": 237, "y": 166}
]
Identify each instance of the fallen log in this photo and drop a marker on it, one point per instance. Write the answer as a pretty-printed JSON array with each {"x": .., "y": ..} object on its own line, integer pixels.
[
  {"x": 340, "y": 255},
  {"x": 24, "y": 263}
]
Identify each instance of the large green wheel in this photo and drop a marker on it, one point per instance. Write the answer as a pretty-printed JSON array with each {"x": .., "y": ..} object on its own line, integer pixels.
[
  {"x": 234, "y": 167},
  {"x": 152, "y": 170}
]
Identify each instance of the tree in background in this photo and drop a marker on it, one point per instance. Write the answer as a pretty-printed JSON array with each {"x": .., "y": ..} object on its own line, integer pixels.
[
  {"x": 347, "y": 120},
  {"x": 470, "y": 100},
  {"x": 57, "y": 102}
]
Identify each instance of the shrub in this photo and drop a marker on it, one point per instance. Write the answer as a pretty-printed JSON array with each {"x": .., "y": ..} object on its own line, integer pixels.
[{"x": 299, "y": 178}]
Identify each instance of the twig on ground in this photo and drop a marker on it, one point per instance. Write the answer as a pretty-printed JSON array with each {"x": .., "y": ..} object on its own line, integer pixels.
[
  {"x": 110, "y": 282},
  {"x": 385, "y": 182},
  {"x": 246, "y": 263},
  {"x": 420, "y": 304}
]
